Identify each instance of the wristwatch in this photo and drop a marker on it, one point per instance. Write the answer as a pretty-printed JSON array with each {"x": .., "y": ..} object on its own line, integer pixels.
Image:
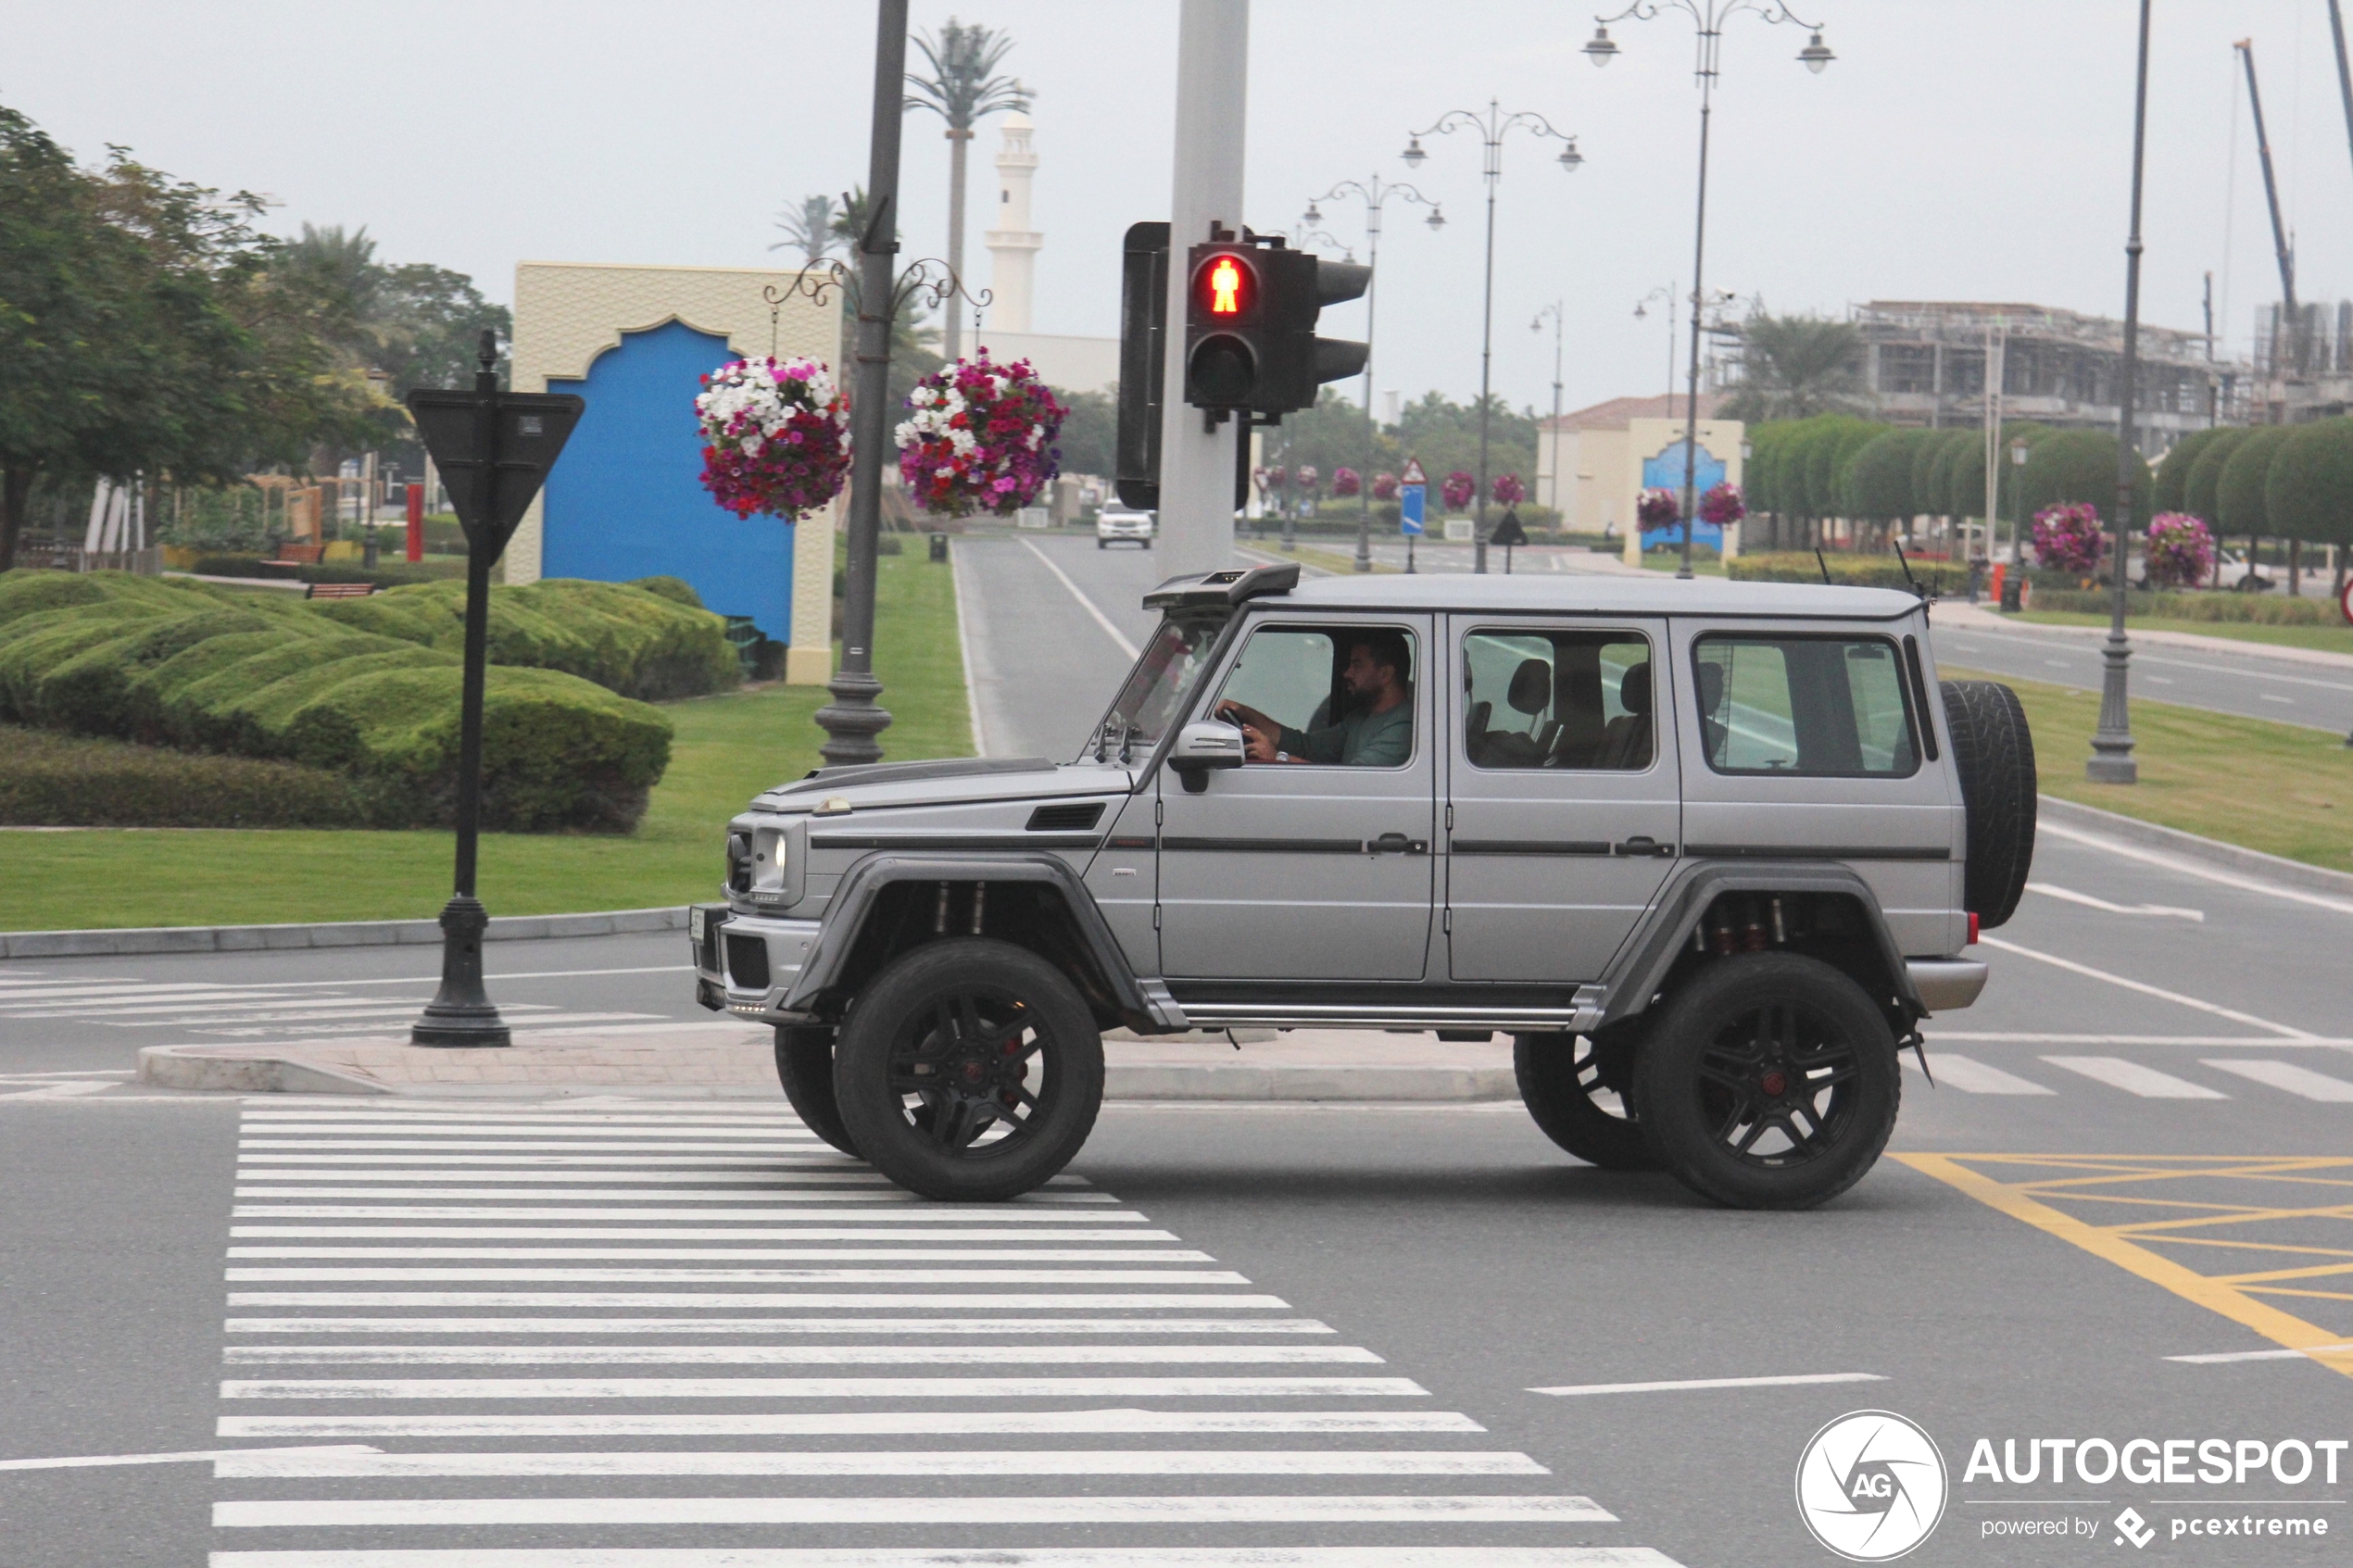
[{"x": 1282, "y": 757}]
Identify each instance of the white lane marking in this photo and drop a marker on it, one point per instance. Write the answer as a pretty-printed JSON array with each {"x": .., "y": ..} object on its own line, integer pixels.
[
  {"x": 2140, "y": 658},
  {"x": 680, "y": 1233},
  {"x": 1688, "y": 1383},
  {"x": 1973, "y": 1077},
  {"x": 431, "y": 1135},
  {"x": 978, "y": 1213},
  {"x": 2051, "y": 890},
  {"x": 2265, "y": 1042},
  {"x": 82, "y": 1462},
  {"x": 606, "y": 1166},
  {"x": 2060, "y": 663},
  {"x": 756, "y": 1276},
  {"x": 823, "y": 1388},
  {"x": 777, "y": 1325},
  {"x": 2147, "y": 990},
  {"x": 844, "y": 1423},
  {"x": 961, "y": 1557},
  {"x": 964, "y": 648},
  {"x": 953, "y": 1461},
  {"x": 2283, "y": 701},
  {"x": 744, "y": 1300},
  {"x": 2287, "y": 1075},
  {"x": 2133, "y": 1078},
  {"x": 208, "y": 1006},
  {"x": 2160, "y": 680},
  {"x": 1016, "y": 1509},
  {"x": 749, "y": 1254},
  {"x": 1119, "y": 638},
  {"x": 804, "y": 1203},
  {"x": 800, "y": 1355},
  {"x": 58, "y": 1091},
  {"x": 684, "y": 1143},
  {"x": 2226, "y": 1357},
  {"x": 344, "y": 1024},
  {"x": 2186, "y": 867}
]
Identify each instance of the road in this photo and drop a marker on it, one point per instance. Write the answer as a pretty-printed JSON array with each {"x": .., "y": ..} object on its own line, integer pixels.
[
  {"x": 589, "y": 1328},
  {"x": 2251, "y": 685}
]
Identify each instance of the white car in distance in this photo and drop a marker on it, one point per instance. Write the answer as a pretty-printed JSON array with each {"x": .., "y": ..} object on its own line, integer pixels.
[{"x": 1117, "y": 524}]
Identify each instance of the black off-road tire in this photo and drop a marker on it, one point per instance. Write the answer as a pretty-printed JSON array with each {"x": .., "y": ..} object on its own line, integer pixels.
[
  {"x": 969, "y": 1069},
  {"x": 1558, "y": 1075},
  {"x": 1994, "y": 753},
  {"x": 805, "y": 1067},
  {"x": 1707, "y": 1075}
]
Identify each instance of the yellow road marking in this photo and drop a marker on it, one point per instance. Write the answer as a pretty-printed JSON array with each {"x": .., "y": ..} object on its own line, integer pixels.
[{"x": 2214, "y": 1295}]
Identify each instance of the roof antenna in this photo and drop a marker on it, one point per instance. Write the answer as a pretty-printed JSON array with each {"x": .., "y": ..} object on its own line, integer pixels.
[
  {"x": 1922, "y": 594},
  {"x": 1823, "y": 564}
]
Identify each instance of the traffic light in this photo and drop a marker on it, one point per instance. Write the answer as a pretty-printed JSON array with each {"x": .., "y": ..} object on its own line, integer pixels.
[
  {"x": 1143, "y": 358},
  {"x": 1249, "y": 326}
]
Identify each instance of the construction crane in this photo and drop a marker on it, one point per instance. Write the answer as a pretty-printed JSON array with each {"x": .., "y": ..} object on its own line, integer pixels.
[{"x": 2245, "y": 46}]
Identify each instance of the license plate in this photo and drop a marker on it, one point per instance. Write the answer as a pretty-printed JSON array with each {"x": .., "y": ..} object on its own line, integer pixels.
[{"x": 698, "y": 920}]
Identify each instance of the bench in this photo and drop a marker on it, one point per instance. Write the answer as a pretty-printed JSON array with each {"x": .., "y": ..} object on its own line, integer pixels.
[
  {"x": 298, "y": 555},
  {"x": 339, "y": 590}
]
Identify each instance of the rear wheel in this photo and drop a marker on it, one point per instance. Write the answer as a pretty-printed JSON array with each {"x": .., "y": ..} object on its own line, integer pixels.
[
  {"x": 1769, "y": 1082},
  {"x": 969, "y": 1069},
  {"x": 805, "y": 1067},
  {"x": 1576, "y": 1090}
]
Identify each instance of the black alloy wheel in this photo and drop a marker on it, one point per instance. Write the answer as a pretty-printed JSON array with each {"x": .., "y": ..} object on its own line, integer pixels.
[
  {"x": 1576, "y": 1090},
  {"x": 969, "y": 1069},
  {"x": 1770, "y": 1082},
  {"x": 805, "y": 1068}
]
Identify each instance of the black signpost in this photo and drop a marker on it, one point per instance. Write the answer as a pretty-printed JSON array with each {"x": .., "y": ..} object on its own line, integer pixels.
[
  {"x": 494, "y": 449},
  {"x": 1509, "y": 533}
]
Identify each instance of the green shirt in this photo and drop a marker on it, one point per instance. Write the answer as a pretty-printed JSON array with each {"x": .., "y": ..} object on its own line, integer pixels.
[{"x": 1363, "y": 739}]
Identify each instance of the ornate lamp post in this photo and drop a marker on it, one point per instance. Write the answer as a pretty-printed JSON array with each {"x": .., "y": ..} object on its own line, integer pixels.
[
  {"x": 1555, "y": 311},
  {"x": 1492, "y": 127},
  {"x": 1710, "y": 16},
  {"x": 1374, "y": 192},
  {"x": 1667, "y": 298}
]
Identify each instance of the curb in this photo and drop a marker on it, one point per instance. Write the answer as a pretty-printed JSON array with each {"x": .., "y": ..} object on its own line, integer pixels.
[
  {"x": 326, "y": 933},
  {"x": 185, "y": 1067},
  {"x": 2133, "y": 830},
  {"x": 1993, "y": 621}
]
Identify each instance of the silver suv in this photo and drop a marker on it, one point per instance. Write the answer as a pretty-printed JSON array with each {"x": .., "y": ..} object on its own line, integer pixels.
[
  {"x": 1118, "y": 525},
  {"x": 1708, "y": 851}
]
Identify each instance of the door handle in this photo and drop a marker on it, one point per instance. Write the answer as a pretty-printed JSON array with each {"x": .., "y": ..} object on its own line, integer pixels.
[
  {"x": 1645, "y": 845},
  {"x": 1396, "y": 844}
]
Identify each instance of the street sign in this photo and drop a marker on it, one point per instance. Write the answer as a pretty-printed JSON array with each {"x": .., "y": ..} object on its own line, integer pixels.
[
  {"x": 1412, "y": 474},
  {"x": 1409, "y": 503},
  {"x": 524, "y": 432}
]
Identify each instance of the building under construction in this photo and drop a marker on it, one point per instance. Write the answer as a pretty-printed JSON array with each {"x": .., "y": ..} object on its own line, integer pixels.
[{"x": 1925, "y": 364}]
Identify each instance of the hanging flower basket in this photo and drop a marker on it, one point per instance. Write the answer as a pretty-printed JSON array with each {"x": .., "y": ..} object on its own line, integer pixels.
[
  {"x": 775, "y": 437},
  {"x": 979, "y": 437},
  {"x": 1460, "y": 487},
  {"x": 1345, "y": 483},
  {"x": 2178, "y": 552},
  {"x": 1384, "y": 487},
  {"x": 2067, "y": 538},
  {"x": 1508, "y": 491},
  {"x": 1723, "y": 505},
  {"x": 1658, "y": 508}
]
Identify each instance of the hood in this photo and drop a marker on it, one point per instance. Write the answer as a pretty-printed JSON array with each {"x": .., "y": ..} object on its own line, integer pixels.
[{"x": 968, "y": 778}]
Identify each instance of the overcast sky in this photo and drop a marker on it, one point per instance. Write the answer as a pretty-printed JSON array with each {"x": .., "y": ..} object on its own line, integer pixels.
[{"x": 1958, "y": 150}]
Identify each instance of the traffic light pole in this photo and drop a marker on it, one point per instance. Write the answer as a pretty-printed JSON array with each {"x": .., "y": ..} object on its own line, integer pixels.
[{"x": 1197, "y": 457}]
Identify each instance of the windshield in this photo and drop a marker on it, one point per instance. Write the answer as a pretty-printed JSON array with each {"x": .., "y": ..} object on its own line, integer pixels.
[{"x": 1164, "y": 676}]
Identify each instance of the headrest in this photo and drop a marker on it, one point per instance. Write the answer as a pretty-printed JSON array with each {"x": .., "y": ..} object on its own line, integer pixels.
[
  {"x": 1532, "y": 687},
  {"x": 1711, "y": 688},
  {"x": 1634, "y": 689}
]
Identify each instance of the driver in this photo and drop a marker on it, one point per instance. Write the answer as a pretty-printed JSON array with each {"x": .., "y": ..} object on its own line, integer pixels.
[{"x": 1378, "y": 729}]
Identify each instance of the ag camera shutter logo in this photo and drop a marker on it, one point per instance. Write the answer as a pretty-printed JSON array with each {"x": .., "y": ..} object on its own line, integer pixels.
[{"x": 1870, "y": 1486}]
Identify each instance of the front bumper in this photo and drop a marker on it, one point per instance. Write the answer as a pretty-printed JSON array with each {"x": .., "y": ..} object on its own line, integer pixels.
[
  {"x": 1947, "y": 983},
  {"x": 746, "y": 964}
]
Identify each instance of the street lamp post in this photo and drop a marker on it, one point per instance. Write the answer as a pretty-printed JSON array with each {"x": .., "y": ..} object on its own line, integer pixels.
[
  {"x": 1710, "y": 16},
  {"x": 2112, "y": 760},
  {"x": 1665, "y": 296},
  {"x": 1555, "y": 311},
  {"x": 1374, "y": 192},
  {"x": 1493, "y": 128}
]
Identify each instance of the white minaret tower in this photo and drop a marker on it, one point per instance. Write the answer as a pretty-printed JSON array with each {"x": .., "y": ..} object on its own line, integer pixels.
[{"x": 1012, "y": 243}]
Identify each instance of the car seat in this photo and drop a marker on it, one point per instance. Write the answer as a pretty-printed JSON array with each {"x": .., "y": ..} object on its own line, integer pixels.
[{"x": 1626, "y": 743}]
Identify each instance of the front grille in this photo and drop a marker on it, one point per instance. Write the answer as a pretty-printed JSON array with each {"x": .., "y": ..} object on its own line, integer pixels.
[
  {"x": 1076, "y": 818},
  {"x": 710, "y": 946},
  {"x": 746, "y": 962}
]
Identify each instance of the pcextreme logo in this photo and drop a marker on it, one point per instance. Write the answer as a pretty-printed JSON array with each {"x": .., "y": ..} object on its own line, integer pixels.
[{"x": 1870, "y": 1486}]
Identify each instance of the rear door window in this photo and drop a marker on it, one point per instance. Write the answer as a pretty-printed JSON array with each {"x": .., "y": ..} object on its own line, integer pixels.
[{"x": 1824, "y": 707}]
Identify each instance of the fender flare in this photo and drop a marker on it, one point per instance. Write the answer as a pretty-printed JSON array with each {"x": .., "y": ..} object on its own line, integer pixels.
[
  {"x": 1642, "y": 964},
  {"x": 854, "y": 903}
]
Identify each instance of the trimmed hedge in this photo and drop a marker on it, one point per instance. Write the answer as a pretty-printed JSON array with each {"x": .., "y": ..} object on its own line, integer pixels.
[
  {"x": 1847, "y": 571},
  {"x": 48, "y": 780},
  {"x": 2260, "y": 609}
]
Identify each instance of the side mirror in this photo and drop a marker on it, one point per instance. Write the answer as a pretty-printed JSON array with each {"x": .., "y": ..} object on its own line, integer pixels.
[{"x": 1202, "y": 746}]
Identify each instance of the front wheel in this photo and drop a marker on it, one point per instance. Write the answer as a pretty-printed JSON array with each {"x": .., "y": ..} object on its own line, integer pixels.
[
  {"x": 969, "y": 1069},
  {"x": 1769, "y": 1082},
  {"x": 1575, "y": 1091},
  {"x": 805, "y": 1067}
]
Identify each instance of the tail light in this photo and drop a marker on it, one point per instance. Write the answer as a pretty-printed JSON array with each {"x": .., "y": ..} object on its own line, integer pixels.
[{"x": 1972, "y": 928}]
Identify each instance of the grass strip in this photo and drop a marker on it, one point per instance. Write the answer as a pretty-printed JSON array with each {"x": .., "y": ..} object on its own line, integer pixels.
[
  {"x": 2284, "y": 789},
  {"x": 727, "y": 749},
  {"x": 2327, "y": 639}
]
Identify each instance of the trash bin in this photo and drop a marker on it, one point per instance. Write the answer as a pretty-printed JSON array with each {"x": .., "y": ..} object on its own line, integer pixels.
[{"x": 939, "y": 546}]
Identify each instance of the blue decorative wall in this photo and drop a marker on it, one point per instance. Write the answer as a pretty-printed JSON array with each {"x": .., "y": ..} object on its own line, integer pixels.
[
  {"x": 626, "y": 500},
  {"x": 1666, "y": 472}
]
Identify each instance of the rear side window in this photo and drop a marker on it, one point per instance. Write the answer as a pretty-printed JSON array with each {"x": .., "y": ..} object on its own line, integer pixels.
[{"x": 1825, "y": 707}]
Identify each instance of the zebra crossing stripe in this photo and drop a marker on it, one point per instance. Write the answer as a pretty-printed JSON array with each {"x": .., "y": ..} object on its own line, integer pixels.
[
  {"x": 362, "y": 1465},
  {"x": 752, "y": 1254},
  {"x": 960, "y": 1327},
  {"x": 1167, "y": 1509},
  {"x": 796, "y": 1355},
  {"x": 836, "y": 1301},
  {"x": 961, "y": 1557},
  {"x": 854, "y": 1423},
  {"x": 757, "y": 1276},
  {"x": 974, "y": 1215},
  {"x": 823, "y": 1388},
  {"x": 670, "y": 1233}
]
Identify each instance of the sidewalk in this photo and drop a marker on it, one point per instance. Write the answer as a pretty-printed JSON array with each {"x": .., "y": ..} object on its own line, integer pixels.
[
  {"x": 734, "y": 1060},
  {"x": 1960, "y": 614}
]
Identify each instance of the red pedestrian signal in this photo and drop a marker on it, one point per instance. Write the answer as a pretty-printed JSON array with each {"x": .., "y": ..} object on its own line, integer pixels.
[{"x": 1226, "y": 287}]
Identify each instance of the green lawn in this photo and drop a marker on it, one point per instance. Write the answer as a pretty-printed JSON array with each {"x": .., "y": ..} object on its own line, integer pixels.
[
  {"x": 2280, "y": 788},
  {"x": 2328, "y": 639},
  {"x": 1672, "y": 560},
  {"x": 728, "y": 748}
]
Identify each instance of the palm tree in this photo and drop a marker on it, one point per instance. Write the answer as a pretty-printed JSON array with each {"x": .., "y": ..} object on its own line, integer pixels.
[
  {"x": 1794, "y": 367},
  {"x": 961, "y": 91},
  {"x": 809, "y": 229}
]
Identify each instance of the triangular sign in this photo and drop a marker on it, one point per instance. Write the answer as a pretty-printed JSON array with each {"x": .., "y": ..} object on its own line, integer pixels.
[
  {"x": 525, "y": 433},
  {"x": 1412, "y": 474},
  {"x": 1509, "y": 531}
]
